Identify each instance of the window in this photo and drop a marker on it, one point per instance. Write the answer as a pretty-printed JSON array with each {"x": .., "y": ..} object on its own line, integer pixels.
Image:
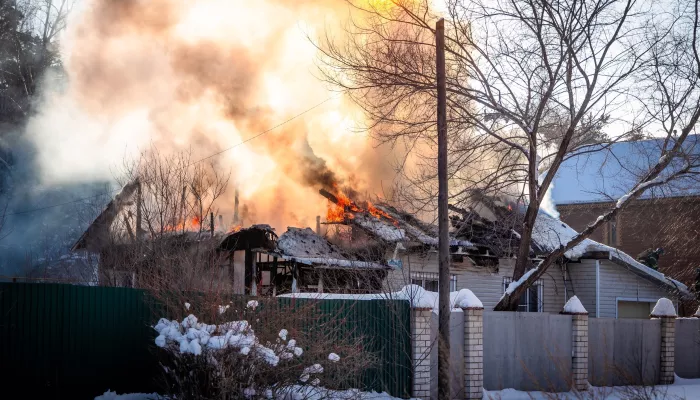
[
  {"x": 531, "y": 300},
  {"x": 429, "y": 281}
]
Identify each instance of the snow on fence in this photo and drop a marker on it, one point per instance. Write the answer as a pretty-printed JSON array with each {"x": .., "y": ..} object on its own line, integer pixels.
[{"x": 59, "y": 339}]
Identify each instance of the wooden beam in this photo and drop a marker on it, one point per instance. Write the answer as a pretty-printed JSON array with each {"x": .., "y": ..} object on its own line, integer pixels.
[{"x": 330, "y": 196}]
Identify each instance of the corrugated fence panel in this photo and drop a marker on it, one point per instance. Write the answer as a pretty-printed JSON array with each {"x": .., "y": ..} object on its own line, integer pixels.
[
  {"x": 76, "y": 342},
  {"x": 383, "y": 326}
]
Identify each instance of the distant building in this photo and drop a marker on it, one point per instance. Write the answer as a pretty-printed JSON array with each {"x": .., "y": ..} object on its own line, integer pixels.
[{"x": 665, "y": 218}]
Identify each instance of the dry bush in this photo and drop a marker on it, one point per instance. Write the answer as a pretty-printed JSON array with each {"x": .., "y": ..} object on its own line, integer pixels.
[{"x": 230, "y": 373}]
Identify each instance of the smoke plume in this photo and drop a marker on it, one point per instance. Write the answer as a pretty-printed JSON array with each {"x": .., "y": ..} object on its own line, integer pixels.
[{"x": 206, "y": 76}]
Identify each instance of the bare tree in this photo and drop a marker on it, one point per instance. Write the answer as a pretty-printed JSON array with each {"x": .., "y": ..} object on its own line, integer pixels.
[
  {"x": 530, "y": 84},
  {"x": 29, "y": 33},
  {"x": 160, "y": 235}
]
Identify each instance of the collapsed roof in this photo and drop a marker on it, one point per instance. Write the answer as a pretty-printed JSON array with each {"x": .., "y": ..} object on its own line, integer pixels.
[
  {"x": 306, "y": 247},
  {"x": 389, "y": 224},
  {"x": 260, "y": 236}
]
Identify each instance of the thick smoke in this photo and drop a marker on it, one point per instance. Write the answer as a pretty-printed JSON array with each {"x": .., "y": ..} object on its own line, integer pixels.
[{"x": 206, "y": 76}]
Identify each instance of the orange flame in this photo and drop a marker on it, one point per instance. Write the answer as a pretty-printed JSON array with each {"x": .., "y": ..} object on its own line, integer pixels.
[
  {"x": 345, "y": 209},
  {"x": 191, "y": 225}
]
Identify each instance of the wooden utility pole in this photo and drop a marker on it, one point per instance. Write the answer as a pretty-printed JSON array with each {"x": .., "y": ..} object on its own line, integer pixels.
[{"x": 443, "y": 227}]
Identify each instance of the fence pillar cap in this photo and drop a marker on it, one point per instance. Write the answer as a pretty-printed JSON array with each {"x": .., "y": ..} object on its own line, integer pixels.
[
  {"x": 664, "y": 309},
  {"x": 472, "y": 308},
  {"x": 574, "y": 307}
]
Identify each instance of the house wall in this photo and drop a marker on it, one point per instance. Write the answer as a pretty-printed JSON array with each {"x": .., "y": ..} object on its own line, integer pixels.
[
  {"x": 617, "y": 282},
  {"x": 485, "y": 282},
  {"x": 583, "y": 281},
  {"x": 669, "y": 223}
]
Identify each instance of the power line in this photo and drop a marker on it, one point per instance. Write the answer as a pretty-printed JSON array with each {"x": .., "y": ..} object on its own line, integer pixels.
[{"x": 187, "y": 166}]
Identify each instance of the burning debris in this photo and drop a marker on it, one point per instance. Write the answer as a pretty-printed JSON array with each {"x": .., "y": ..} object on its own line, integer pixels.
[
  {"x": 383, "y": 221},
  {"x": 341, "y": 207}
]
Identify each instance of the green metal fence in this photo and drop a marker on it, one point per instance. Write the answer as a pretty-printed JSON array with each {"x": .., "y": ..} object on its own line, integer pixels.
[{"x": 76, "y": 342}]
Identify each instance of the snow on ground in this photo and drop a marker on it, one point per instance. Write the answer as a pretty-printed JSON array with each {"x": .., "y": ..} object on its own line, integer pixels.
[
  {"x": 680, "y": 390},
  {"x": 419, "y": 297},
  {"x": 318, "y": 393},
  {"x": 290, "y": 393}
]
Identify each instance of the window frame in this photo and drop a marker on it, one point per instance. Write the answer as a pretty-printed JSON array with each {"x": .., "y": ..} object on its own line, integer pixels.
[
  {"x": 432, "y": 276},
  {"x": 539, "y": 284}
]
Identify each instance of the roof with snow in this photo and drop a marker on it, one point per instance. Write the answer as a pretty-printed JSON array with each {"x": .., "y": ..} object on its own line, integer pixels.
[
  {"x": 607, "y": 172},
  {"x": 404, "y": 227},
  {"x": 306, "y": 247},
  {"x": 549, "y": 234}
]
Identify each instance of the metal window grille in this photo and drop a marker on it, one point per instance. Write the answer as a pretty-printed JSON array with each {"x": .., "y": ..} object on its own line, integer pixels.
[
  {"x": 531, "y": 300},
  {"x": 429, "y": 281}
]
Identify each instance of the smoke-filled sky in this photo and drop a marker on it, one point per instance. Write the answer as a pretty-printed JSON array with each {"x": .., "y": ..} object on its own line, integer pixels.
[{"x": 206, "y": 75}]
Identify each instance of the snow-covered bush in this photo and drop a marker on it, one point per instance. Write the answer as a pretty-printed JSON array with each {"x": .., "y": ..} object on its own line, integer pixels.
[{"x": 258, "y": 355}]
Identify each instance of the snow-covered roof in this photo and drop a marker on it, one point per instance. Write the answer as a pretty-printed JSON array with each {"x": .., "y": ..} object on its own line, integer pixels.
[
  {"x": 549, "y": 234},
  {"x": 306, "y": 247},
  {"x": 609, "y": 173},
  {"x": 403, "y": 228}
]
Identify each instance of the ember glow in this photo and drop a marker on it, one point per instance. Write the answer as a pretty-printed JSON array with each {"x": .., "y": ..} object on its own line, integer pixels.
[
  {"x": 345, "y": 209},
  {"x": 191, "y": 225},
  {"x": 207, "y": 76}
]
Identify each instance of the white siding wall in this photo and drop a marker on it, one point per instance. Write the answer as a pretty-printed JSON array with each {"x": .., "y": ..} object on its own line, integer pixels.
[
  {"x": 616, "y": 281},
  {"x": 553, "y": 290},
  {"x": 583, "y": 282},
  {"x": 486, "y": 284}
]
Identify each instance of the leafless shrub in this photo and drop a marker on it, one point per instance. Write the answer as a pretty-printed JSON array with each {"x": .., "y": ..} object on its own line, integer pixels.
[{"x": 259, "y": 359}]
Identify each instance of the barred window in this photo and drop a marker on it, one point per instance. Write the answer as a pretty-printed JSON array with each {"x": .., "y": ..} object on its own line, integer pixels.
[
  {"x": 429, "y": 281},
  {"x": 531, "y": 300}
]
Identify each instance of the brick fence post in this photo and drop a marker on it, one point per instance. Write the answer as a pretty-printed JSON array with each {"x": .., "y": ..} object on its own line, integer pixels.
[
  {"x": 579, "y": 342},
  {"x": 473, "y": 352},
  {"x": 420, "y": 344},
  {"x": 666, "y": 312}
]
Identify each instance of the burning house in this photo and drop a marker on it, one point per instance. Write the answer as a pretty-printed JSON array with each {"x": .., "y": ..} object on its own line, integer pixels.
[
  {"x": 186, "y": 255},
  {"x": 298, "y": 261},
  {"x": 485, "y": 238}
]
